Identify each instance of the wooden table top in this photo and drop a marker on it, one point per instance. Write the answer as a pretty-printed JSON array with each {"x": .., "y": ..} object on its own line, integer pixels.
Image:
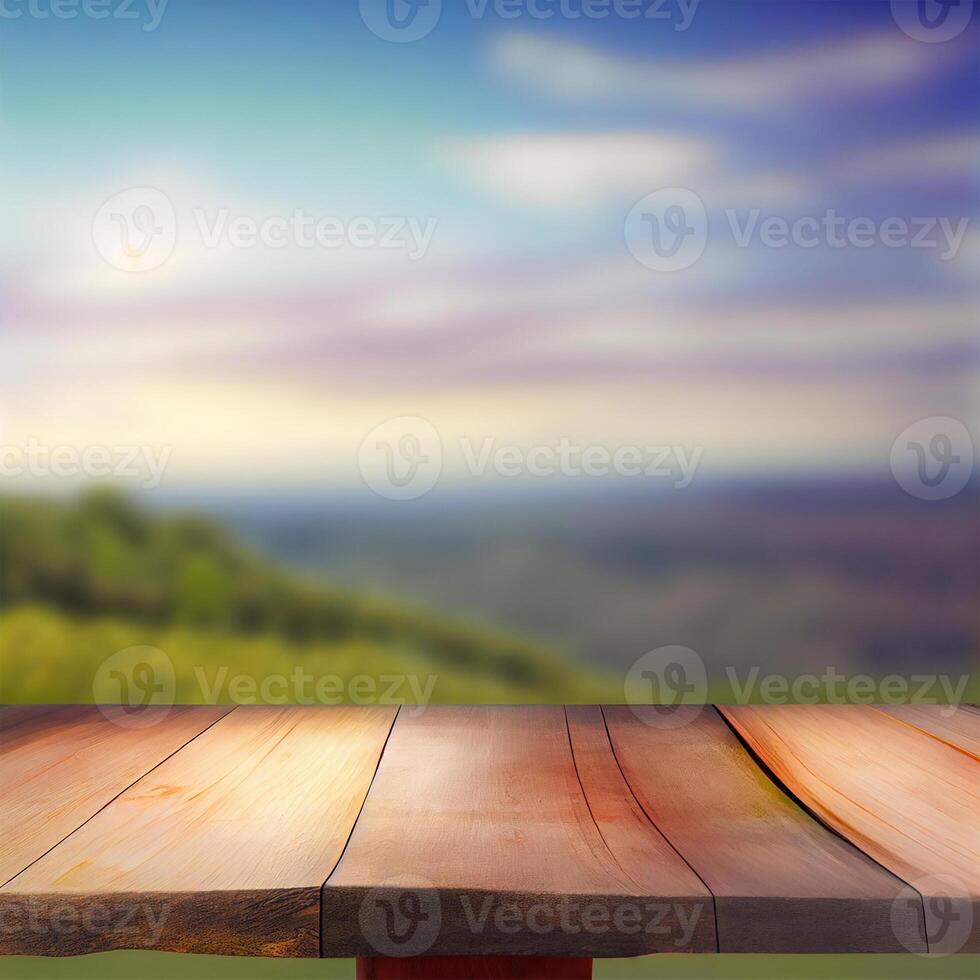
[{"x": 583, "y": 831}]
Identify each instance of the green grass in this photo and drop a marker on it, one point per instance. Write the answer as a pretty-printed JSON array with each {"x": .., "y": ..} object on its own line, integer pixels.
[
  {"x": 166, "y": 966},
  {"x": 84, "y": 580},
  {"x": 53, "y": 657}
]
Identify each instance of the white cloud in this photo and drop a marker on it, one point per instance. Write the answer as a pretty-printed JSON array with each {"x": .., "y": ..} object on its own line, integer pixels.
[
  {"x": 564, "y": 170},
  {"x": 883, "y": 63},
  {"x": 55, "y": 229},
  {"x": 585, "y": 170},
  {"x": 541, "y": 294},
  {"x": 947, "y": 157},
  {"x": 784, "y": 334},
  {"x": 967, "y": 260}
]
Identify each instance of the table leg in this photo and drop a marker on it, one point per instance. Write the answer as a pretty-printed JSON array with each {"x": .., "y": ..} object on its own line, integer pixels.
[{"x": 474, "y": 968}]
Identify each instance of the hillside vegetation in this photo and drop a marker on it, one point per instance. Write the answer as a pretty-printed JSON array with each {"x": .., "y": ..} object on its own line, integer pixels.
[{"x": 81, "y": 581}]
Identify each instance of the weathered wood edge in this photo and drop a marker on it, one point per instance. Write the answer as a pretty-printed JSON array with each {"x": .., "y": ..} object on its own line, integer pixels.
[{"x": 72, "y": 924}]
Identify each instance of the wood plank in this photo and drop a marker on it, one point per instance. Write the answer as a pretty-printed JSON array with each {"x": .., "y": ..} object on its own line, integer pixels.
[
  {"x": 477, "y": 839},
  {"x": 12, "y": 715},
  {"x": 637, "y": 845},
  {"x": 906, "y": 798},
  {"x": 60, "y": 765},
  {"x": 475, "y": 968},
  {"x": 781, "y": 881},
  {"x": 220, "y": 849},
  {"x": 958, "y": 726}
]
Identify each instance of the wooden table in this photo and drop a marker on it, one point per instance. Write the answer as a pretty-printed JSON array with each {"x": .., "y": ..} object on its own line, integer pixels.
[{"x": 511, "y": 842}]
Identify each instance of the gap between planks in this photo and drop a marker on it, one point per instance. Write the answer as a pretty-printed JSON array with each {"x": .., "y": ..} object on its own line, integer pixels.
[
  {"x": 374, "y": 775},
  {"x": 125, "y": 789}
]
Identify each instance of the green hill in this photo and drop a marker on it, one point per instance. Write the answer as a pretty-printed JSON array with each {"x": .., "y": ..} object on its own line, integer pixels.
[{"x": 84, "y": 580}]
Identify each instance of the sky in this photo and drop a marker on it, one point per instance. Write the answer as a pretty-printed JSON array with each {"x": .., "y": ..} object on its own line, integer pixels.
[{"x": 485, "y": 260}]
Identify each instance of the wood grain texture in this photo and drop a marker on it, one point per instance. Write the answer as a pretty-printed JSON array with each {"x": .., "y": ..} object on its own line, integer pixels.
[
  {"x": 958, "y": 726},
  {"x": 903, "y": 796},
  {"x": 12, "y": 715},
  {"x": 781, "y": 881},
  {"x": 220, "y": 849},
  {"x": 477, "y": 838},
  {"x": 475, "y": 968},
  {"x": 506, "y": 836},
  {"x": 636, "y": 844},
  {"x": 60, "y": 765}
]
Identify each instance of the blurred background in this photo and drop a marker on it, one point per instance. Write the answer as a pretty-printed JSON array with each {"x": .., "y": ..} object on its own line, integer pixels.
[{"x": 331, "y": 337}]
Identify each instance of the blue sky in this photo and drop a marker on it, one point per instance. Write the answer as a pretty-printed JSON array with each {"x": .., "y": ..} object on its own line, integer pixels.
[{"x": 527, "y": 142}]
